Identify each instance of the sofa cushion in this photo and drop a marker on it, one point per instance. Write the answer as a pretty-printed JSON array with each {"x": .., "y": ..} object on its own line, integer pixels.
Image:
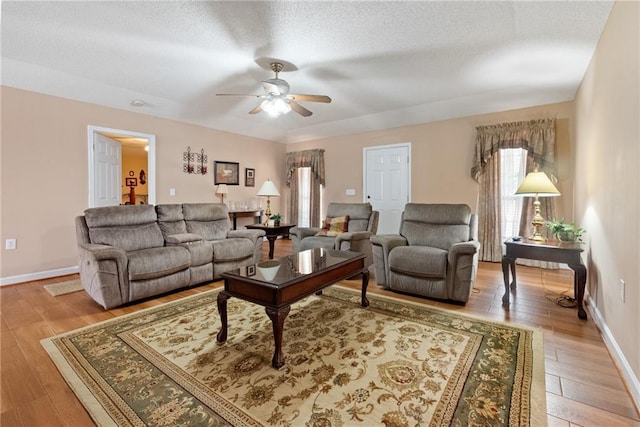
[
  {"x": 171, "y": 219},
  {"x": 115, "y": 216},
  {"x": 209, "y": 220},
  {"x": 232, "y": 249},
  {"x": 420, "y": 261},
  {"x": 152, "y": 263},
  {"x": 438, "y": 236},
  {"x": 334, "y": 226},
  {"x": 437, "y": 225},
  {"x": 129, "y": 238}
]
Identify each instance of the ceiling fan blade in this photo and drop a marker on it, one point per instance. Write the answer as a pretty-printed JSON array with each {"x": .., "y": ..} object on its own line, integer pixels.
[
  {"x": 309, "y": 98},
  {"x": 300, "y": 109},
  {"x": 256, "y": 110},
  {"x": 240, "y": 94}
]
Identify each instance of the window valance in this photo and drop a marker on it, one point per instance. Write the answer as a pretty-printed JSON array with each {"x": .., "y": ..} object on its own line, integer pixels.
[
  {"x": 313, "y": 159},
  {"x": 536, "y": 136}
]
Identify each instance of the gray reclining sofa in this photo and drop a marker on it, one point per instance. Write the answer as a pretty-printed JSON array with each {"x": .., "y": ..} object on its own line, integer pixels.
[{"x": 137, "y": 251}]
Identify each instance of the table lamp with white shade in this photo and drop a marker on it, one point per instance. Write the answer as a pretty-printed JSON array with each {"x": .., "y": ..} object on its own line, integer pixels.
[
  {"x": 537, "y": 184},
  {"x": 222, "y": 190},
  {"x": 268, "y": 190}
]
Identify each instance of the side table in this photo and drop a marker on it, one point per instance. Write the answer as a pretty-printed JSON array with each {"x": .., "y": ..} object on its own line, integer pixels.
[
  {"x": 272, "y": 233},
  {"x": 552, "y": 251},
  {"x": 255, "y": 214}
]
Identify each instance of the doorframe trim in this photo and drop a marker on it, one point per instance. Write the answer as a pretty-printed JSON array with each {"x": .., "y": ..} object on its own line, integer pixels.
[
  {"x": 364, "y": 167},
  {"x": 151, "y": 158}
]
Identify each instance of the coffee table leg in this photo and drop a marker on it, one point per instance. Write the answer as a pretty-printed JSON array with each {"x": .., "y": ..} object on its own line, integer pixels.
[
  {"x": 272, "y": 241},
  {"x": 277, "y": 317},
  {"x": 222, "y": 310},
  {"x": 365, "y": 283}
]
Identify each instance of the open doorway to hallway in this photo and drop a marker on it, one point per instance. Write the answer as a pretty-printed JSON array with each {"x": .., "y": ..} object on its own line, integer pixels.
[{"x": 121, "y": 167}]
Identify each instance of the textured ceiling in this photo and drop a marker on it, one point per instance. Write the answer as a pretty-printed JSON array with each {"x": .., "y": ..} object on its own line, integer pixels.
[{"x": 384, "y": 64}]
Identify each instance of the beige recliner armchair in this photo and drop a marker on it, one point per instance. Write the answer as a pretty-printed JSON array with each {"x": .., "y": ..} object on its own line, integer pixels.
[
  {"x": 435, "y": 255},
  {"x": 362, "y": 224}
]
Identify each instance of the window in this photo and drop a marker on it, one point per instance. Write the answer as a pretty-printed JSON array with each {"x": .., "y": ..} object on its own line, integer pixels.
[
  {"x": 304, "y": 197},
  {"x": 513, "y": 164}
]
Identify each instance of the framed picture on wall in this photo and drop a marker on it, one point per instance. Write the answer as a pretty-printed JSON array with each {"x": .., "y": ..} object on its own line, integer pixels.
[
  {"x": 226, "y": 173},
  {"x": 131, "y": 182},
  {"x": 249, "y": 177}
]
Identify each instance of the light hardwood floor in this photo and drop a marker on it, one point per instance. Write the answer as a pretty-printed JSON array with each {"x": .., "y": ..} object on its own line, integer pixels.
[{"x": 584, "y": 388}]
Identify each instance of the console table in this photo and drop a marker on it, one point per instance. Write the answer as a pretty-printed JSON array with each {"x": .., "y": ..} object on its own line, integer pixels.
[
  {"x": 552, "y": 251},
  {"x": 256, "y": 214},
  {"x": 272, "y": 233}
]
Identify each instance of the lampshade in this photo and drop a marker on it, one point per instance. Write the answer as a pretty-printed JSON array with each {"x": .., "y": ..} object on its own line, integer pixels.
[
  {"x": 268, "y": 189},
  {"x": 537, "y": 184},
  {"x": 222, "y": 189}
]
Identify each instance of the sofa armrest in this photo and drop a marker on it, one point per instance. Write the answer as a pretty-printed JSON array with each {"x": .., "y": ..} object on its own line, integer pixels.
[
  {"x": 252, "y": 235},
  {"x": 103, "y": 273},
  {"x": 464, "y": 248},
  {"x": 178, "y": 239},
  {"x": 302, "y": 232},
  {"x": 388, "y": 241},
  {"x": 105, "y": 252},
  {"x": 381, "y": 245},
  {"x": 296, "y": 234},
  {"x": 352, "y": 236}
]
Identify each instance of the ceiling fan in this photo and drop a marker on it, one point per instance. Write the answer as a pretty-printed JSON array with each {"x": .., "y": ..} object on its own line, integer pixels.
[{"x": 278, "y": 100}]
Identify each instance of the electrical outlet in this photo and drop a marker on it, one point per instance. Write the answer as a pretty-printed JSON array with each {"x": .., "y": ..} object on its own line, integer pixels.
[
  {"x": 10, "y": 244},
  {"x": 172, "y": 191},
  {"x": 622, "y": 290}
]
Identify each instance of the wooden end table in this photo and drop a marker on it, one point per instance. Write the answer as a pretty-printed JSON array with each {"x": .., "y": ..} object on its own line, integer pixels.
[
  {"x": 276, "y": 284},
  {"x": 255, "y": 214},
  {"x": 552, "y": 251},
  {"x": 272, "y": 233}
]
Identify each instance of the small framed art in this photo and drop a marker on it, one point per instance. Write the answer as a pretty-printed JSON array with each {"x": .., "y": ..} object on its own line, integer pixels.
[
  {"x": 131, "y": 182},
  {"x": 249, "y": 177},
  {"x": 226, "y": 173}
]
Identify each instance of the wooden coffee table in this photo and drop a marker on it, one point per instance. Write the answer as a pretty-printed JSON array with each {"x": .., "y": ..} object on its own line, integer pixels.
[{"x": 276, "y": 284}]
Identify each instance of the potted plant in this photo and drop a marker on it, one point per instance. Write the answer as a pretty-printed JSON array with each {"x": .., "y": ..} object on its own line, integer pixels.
[
  {"x": 276, "y": 219},
  {"x": 565, "y": 231}
]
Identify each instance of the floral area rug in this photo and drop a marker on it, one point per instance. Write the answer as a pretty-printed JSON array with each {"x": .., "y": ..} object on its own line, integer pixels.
[{"x": 394, "y": 363}]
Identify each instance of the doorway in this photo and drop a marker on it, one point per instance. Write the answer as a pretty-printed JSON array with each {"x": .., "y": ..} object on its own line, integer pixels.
[
  {"x": 387, "y": 183},
  {"x": 108, "y": 183}
]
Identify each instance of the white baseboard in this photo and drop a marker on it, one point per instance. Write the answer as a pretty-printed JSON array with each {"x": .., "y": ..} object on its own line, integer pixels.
[
  {"x": 627, "y": 373},
  {"x": 12, "y": 280}
]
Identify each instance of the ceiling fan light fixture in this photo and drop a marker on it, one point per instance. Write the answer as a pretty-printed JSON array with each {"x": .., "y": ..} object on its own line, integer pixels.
[{"x": 276, "y": 105}]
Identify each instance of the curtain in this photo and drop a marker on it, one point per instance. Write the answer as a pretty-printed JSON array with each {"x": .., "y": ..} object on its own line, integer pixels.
[
  {"x": 538, "y": 138},
  {"x": 313, "y": 159},
  {"x": 489, "y": 223}
]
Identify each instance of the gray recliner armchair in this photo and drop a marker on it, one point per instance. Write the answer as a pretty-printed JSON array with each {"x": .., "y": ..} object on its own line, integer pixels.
[
  {"x": 435, "y": 255},
  {"x": 363, "y": 223}
]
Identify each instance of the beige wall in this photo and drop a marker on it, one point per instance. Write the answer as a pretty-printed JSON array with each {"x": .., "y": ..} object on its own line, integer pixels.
[
  {"x": 608, "y": 179},
  {"x": 442, "y": 154},
  {"x": 45, "y": 167}
]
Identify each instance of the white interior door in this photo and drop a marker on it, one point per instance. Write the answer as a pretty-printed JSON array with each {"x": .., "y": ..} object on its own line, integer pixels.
[
  {"x": 387, "y": 183},
  {"x": 107, "y": 171},
  {"x": 105, "y": 165}
]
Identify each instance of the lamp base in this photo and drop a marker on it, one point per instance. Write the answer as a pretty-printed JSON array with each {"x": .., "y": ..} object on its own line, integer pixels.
[
  {"x": 537, "y": 222},
  {"x": 267, "y": 212}
]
